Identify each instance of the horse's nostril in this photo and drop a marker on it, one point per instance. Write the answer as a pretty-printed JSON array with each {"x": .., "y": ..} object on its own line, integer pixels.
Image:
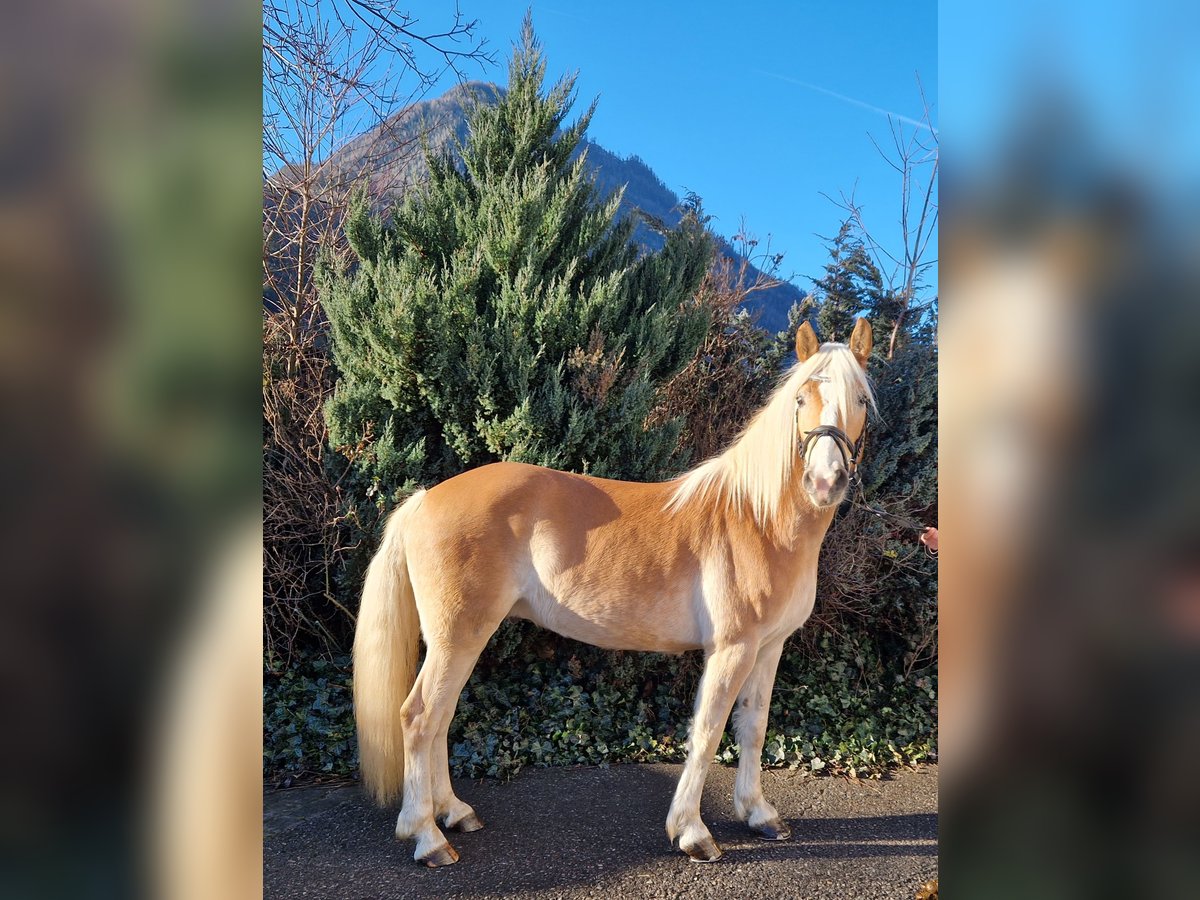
[
  {"x": 820, "y": 485},
  {"x": 840, "y": 480}
]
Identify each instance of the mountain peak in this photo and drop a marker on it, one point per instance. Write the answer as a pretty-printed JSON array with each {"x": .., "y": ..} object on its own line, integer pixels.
[{"x": 391, "y": 152}]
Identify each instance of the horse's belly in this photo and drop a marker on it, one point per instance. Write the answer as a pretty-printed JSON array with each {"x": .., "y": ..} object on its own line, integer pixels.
[{"x": 633, "y": 623}]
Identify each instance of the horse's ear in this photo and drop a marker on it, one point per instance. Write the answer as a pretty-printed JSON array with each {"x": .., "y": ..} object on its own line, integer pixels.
[
  {"x": 806, "y": 342},
  {"x": 861, "y": 341}
]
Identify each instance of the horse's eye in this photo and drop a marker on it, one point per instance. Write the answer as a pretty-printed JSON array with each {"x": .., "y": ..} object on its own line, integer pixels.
[
  {"x": 862, "y": 399},
  {"x": 799, "y": 400}
]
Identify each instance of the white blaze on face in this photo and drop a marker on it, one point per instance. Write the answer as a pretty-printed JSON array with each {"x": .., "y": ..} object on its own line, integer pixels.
[
  {"x": 828, "y": 457},
  {"x": 824, "y": 466}
]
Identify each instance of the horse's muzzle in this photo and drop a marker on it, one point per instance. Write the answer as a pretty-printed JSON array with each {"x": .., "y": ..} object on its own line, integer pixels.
[{"x": 826, "y": 488}]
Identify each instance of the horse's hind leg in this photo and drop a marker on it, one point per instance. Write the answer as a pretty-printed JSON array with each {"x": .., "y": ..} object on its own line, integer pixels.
[
  {"x": 724, "y": 672},
  {"x": 448, "y": 809},
  {"x": 750, "y": 728},
  {"x": 431, "y": 703}
]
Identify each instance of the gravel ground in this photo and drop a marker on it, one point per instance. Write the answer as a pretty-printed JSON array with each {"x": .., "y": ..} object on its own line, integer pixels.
[{"x": 599, "y": 833}]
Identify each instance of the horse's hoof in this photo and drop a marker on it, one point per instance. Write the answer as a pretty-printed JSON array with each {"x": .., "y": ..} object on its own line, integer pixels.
[
  {"x": 442, "y": 856},
  {"x": 775, "y": 830},
  {"x": 703, "y": 851},
  {"x": 469, "y": 822}
]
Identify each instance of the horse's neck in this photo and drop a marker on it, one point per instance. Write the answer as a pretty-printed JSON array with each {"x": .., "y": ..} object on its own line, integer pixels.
[{"x": 800, "y": 525}]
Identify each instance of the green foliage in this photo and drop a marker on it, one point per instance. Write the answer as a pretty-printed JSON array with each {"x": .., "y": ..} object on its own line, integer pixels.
[
  {"x": 903, "y": 457},
  {"x": 839, "y": 711},
  {"x": 842, "y": 710},
  {"x": 544, "y": 702},
  {"x": 884, "y": 586},
  {"x": 503, "y": 312},
  {"x": 857, "y": 687},
  {"x": 308, "y": 720}
]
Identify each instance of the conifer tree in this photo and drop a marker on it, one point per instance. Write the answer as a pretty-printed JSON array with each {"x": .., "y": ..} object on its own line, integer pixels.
[
  {"x": 503, "y": 312},
  {"x": 850, "y": 286}
]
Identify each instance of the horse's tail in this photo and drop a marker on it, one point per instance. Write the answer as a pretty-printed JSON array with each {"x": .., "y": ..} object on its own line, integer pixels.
[{"x": 385, "y": 659}]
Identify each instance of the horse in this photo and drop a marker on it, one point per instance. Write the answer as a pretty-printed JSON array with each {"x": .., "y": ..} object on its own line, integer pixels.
[{"x": 721, "y": 559}]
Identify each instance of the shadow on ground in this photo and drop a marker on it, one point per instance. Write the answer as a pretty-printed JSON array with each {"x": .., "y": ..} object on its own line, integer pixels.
[{"x": 584, "y": 833}]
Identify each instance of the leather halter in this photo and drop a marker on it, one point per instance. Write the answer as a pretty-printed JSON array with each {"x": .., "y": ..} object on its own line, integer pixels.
[{"x": 851, "y": 451}]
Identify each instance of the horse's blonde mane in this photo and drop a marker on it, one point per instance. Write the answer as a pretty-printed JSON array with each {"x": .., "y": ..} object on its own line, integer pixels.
[{"x": 755, "y": 469}]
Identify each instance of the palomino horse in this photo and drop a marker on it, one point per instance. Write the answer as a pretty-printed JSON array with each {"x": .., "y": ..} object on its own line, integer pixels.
[{"x": 723, "y": 558}]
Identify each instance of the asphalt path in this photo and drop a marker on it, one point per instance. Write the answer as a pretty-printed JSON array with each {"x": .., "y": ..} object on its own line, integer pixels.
[{"x": 599, "y": 833}]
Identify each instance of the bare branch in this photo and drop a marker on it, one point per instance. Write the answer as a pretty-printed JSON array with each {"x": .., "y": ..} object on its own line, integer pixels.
[
  {"x": 332, "y": 70},
  {"x": 914, "y": 158}
]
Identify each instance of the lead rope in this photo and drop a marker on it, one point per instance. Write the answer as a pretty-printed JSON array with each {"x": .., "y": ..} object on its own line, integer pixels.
[{"x": 902, "y": 521}]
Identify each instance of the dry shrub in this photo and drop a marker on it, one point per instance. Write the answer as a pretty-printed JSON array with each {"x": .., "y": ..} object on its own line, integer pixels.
[
  {"x": 304, "y": 534},
  {"x": 873, "y": 577},
  {"x": 733, "y": 371},
  {"x": 593, "y": 371}
]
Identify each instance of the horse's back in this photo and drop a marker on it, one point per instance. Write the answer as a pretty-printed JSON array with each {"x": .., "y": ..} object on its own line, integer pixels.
[{"x": 506, "y": 495}]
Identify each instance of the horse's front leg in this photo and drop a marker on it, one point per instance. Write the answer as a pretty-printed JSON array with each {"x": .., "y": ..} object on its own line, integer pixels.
[
  {"x": 725, "y": 671},
  {"x": 750, "y": 728}
]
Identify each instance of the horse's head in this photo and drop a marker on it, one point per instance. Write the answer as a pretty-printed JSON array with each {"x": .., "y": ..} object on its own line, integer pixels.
[{"x": 831, "y": 414}]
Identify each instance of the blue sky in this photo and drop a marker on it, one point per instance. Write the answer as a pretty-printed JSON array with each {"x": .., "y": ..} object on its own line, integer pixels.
[
  {"x": 1130, "y": 73},
  {"x": 758, "y": 108}
]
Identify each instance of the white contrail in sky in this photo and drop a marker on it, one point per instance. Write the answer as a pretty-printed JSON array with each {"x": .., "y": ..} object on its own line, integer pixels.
[{"x": 916, "y": 123}]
